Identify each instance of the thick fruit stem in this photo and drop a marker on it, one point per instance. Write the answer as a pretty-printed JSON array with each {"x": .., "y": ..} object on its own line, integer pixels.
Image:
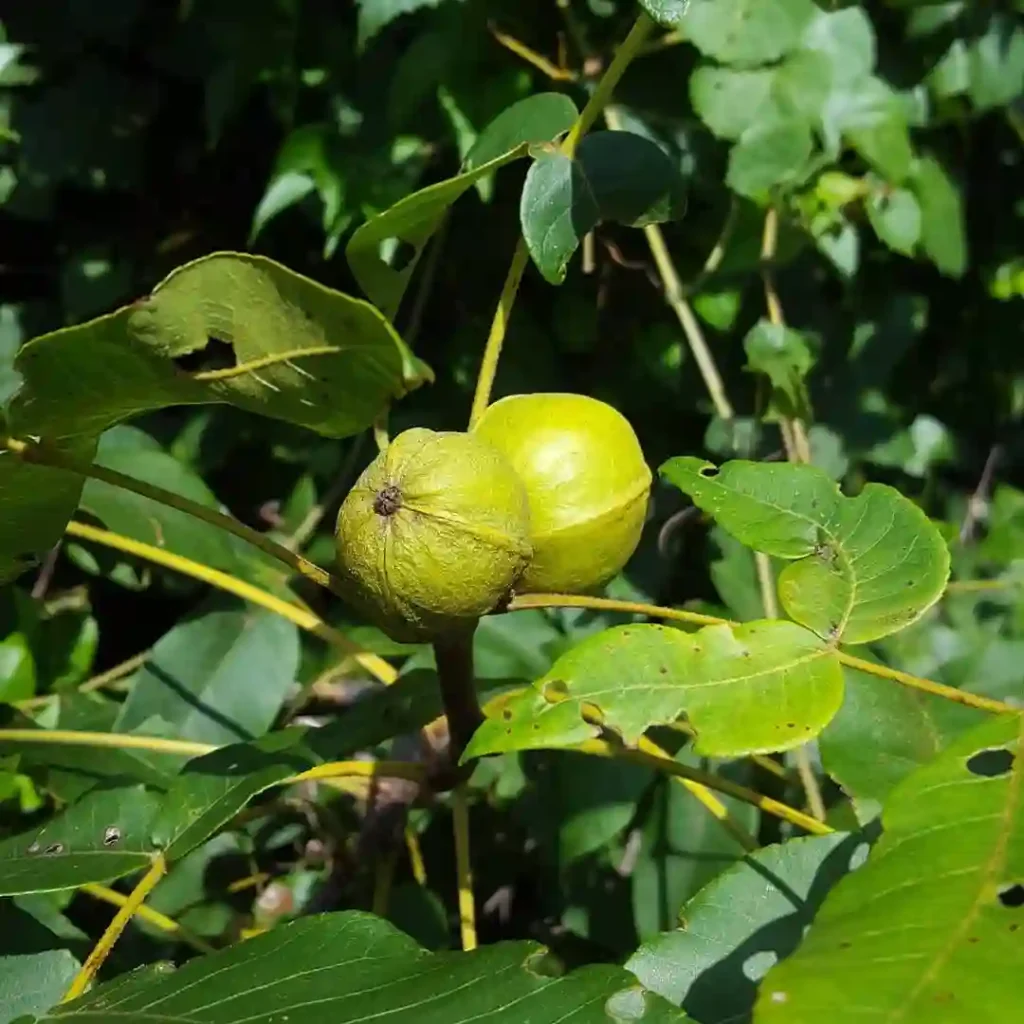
[{"x": 454, "y": 657}]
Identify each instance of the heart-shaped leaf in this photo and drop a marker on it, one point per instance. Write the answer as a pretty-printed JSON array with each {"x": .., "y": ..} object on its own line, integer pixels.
[
  {"x": 932, "y": 927},
  {"x": 766, "y": 685},
  {"x": 350, "y": 967},
  {"x": 862, "y": 567}
]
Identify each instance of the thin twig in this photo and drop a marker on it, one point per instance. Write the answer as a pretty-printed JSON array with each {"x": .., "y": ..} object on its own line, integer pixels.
[
  {"x": 302, "y": 617},
  {"x": 680, "y": 615},
  {"x": 464, "y": 869},
  {"x": 978, "y": 502},
  {"x": 499, "y": 325},
  {"x": 100, "y": 952},
  {"x": 42, "y": 455}
]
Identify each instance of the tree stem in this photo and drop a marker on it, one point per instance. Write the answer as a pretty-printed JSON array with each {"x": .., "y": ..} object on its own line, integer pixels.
[
  {"x": 454, "y": 657},
  {"x": 499, "y": 325}
]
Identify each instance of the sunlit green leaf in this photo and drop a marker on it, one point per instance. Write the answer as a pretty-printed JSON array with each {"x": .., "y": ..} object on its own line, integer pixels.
[
  {"x": 341, "y": 967},
  {"x": 760, "y": 686},
  {"x": 218, "y": 678},
  {"x": 929, "y": 928},
  {"x": 769, "y": 153},
  {"x": 943, "y": 235},
  {"x": 896, "y": 217},
  {"x": 760, "y": 909},
  {"x": 226, "y": 328},
  {"x": 746, "y": 31},
  {"x": 861, "y": 568},
  {"x": 33, "y": 982},
  {"x": 785, "y": 357}
]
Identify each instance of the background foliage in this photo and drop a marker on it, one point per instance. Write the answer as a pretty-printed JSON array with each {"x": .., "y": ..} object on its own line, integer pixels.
[{"x": 139, "y": 136}]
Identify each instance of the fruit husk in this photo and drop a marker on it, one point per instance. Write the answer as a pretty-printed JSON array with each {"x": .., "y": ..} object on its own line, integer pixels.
[
  {"x": 587, "y": 483},
  {"x": 434, "y": 534}
]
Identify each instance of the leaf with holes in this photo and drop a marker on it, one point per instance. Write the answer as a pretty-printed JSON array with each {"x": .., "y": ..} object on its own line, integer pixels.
[
  {"x": 861, "y": 568},
  {"x": 615, "y": 175},
  {"x": 349, "y": 967},
  {"x": 231, "y": 328},
  {"x": 882, "y": 733},
  {"x": 103, "y": 836},
  {"x": 408, "y": 225},
  {"x": 36, "y": 503},
  {"x": 214, "y": 787},
  {"x": 748, "y": 918},
  {"x": 932, "y": 927},
  {"x": 767, "y": 685}
]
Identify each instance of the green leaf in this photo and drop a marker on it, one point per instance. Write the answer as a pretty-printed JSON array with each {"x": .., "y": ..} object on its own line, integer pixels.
[
  {"x": 69, "y": 771},
  {"x": 996, "y": 62},
  {"x": 214, "y": 787},
  {"x": 408, "y": 225},
  {"x": 667, "y": 12},
  {"x": 785, "y": 357},
  {"x": 616, "y": 175},
  {"x": 767, "y": 685},
  {"x": 542, "y": 117},
  {"x": 218, "y": 678},
  {"x": 274, "y": 342},
  {"x": 343, "y": 967},
  {"x": 769, "y": 153},
  {"x": 129, "y": 451},
  {"x": 861, "y": 568},
  {"x": 375, "y": 15},
  {"x": 736, "y": 927},
  {"x": 32, "y": 983},
  {"x": 896, "y": 217},
  {"x": 943, "y": 234},
  {"x": 730, "y": 100},
  {"x": 847, "y": 38},
  {"x": 929, "y": 929},
  {"x": 36, "y": 503},
  {"x": 103, "y": 836},
  {"x": 881, "y": 734},
  {"x": 869, "y": 114},
  {"x": 746, "y": 31}
]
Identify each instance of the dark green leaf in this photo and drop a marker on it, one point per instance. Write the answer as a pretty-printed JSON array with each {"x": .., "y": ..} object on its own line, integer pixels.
[
  {"x": 272, "y": 342},
  {"x": 218, "y": 678},
  {"x": 103, "y": 836},
  {"x": 943, "y": 236},
  {"x": 914, "y": 935},
  {"x": 861, "y": 568},
  {"x": 375, "y": 15},
  {"x": 616, "y": 176},
  {"x": 36, "y": 503},
  {"x": 348, "y": 966},
  {"x": 542, "y": 117}
]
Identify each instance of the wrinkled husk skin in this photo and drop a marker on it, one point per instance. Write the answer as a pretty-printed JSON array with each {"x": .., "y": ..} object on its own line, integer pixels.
[
  {"x": 587, "y": 484},
  {"x": 450, "y": 550}
]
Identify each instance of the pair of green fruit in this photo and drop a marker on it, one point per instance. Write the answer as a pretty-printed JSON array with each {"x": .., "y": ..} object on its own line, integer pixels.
[{"x": 547, "y": 494}]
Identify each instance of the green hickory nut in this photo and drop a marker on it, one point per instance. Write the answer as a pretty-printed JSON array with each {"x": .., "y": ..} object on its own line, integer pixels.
[
  {"x": 434, "y": 534},
  {"x": 587, "y": 483}
]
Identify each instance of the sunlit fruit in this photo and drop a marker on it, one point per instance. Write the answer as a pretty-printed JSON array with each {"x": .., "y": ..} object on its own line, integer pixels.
[
  {"x": 586, "y": 480},
  {"x": 434, "y": 534}
]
